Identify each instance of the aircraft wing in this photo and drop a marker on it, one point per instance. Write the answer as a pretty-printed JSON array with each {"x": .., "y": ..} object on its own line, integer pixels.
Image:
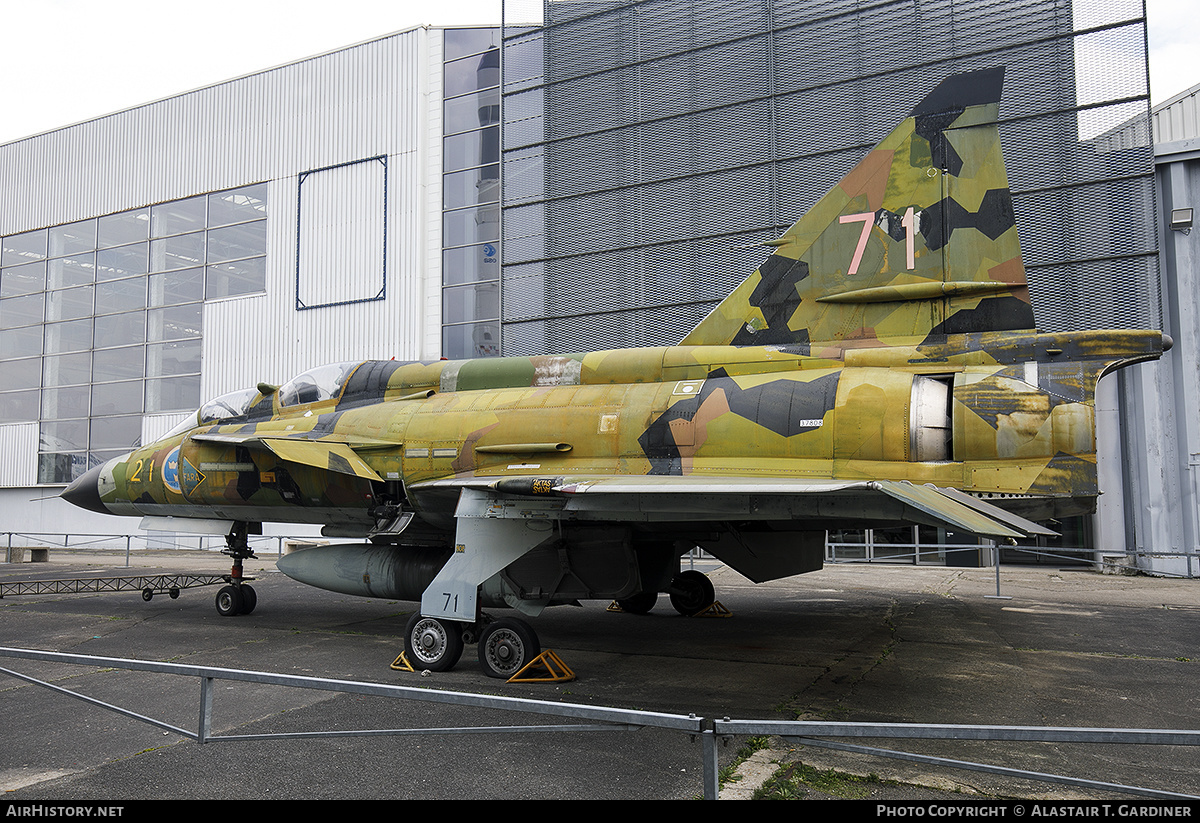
[
  {"x": 331, "y": 455},
  {"x": 707, "y": 498}
]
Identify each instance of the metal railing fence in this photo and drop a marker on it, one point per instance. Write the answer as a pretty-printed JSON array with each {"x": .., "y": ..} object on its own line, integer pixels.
[
  {"x": 19, "y": 542},
  {"x": 606, "y": 719}
]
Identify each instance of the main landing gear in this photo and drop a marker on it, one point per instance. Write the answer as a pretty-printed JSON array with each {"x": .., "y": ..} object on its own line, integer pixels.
[
  {"x": 238, "y": 597},
  {"x": 505, "y": 646},
  {"x": 691, "y": 592}
]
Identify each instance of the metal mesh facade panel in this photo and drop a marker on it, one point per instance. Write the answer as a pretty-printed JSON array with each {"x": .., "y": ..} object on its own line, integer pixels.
[{"x": 647, "y": 144}]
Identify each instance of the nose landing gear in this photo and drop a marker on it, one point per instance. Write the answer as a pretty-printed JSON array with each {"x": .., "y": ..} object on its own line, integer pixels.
[{"x": 238, "y": 597}]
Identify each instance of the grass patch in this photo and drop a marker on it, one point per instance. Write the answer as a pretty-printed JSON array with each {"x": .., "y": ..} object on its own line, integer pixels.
[
  {"x": 795, "y": 780},
  {"x": 729, "y": 773}
]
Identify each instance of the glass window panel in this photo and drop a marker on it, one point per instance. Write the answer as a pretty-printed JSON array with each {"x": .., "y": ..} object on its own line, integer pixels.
[
  {"x": 99, "y": 458},
  {"x": 23, "y": 248},
  {"x": 22, "y": 311},
  {"x": 76, "y": 270},
  {"x": 119, "y": 229},
  {"x": 115, "y": 432},
  {"x": 22, "y": 342},
  {"x": 121, "y": 295},
  {"x": 471, "y": 148},
  {"x": 468, "y": 74},
  {"x": 63, "y": 435},
  {"x": 471, "y": 225},
  {"x": 182, "y": 252},
  {"x": 170, "y": 288},
  {"x": 25, "y": 279},
  {"x": 240, "y": 277},
  {"x": 69, "y": 304},
  {"x": 466, "y": 188},
  {"x": 470, "y": 264},
  {"x": 169, "y": 359},
  {"x": 469, "y": 41},
  {"x": 472, "y": 111},
  {"x": 118, "y": 364},
  {"x": 173, "y": 393},
  {"x": 238, "y": 205},
  {"x": 73, "y": 238},
  {"x": 474, "y": 340},
  {"x": 74, "y": 335},
  {"x": 61, "y": 468},
  {"x": 178, "y": 217},
  {"x": 20, "y": 374},
  {"x": 120, "y": 329},
  {"x": 117, "y": 398},
  {"x": 125, "y": 261},
  {"x": 461, "y": 304},
  {"x": 176, "y": 322},
  {"x": 18, "y": 406},
  {"x": 232, "y": 242},
  {"x": 66, "y": 369},
  {"x": 71, "y": 401}
]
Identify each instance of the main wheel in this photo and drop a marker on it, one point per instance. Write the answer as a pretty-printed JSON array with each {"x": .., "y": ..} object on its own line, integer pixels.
[
  {"x": 640, "y": 603},
  {"x": 506, "y": 646},
  {"x": 147, "y": 594},
  {"x": 691, "y": 592},
  {"x": 229, "y": 601},
  {"x": 432, "y": 643},
  {"x": 249, "y": 598}
]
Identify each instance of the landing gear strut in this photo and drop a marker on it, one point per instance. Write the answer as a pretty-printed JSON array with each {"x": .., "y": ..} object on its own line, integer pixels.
[{"x": 238, "y": 597}]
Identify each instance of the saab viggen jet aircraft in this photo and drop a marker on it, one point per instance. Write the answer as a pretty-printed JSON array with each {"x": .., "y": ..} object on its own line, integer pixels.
[{"x": 880, "y": 368}]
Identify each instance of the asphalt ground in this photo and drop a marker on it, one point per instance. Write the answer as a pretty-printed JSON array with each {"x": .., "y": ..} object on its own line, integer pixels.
[{"x": 856, "y": 643}]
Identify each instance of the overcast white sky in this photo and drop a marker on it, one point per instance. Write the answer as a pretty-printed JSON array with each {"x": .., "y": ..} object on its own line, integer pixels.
[{"x": 65, "y": 61}]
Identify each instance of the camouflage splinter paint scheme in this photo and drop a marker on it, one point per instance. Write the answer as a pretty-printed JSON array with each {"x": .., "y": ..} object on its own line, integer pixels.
[{"x": 880, "y": 368}]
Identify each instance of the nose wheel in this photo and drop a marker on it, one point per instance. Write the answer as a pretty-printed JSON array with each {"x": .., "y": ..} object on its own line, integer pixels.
[{"x": 235, "y": 600}]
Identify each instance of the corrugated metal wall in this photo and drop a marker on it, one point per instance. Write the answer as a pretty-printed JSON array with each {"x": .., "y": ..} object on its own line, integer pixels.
[
  {"x": 18, "y": 444},
  {"x": 359, "y": 102},
  {"x": 1178, "y": 118}
]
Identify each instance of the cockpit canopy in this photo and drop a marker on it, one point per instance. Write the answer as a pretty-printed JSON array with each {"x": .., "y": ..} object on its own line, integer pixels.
[
  {"x": 233, "y": 404},
  {"x": 313, "y": 386},
  {"x": 332, "y": 381}
]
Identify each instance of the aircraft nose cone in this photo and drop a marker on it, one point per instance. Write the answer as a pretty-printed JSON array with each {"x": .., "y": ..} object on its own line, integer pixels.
[
  {"x": 85, "y": 492},
  {"x": 1167, "y": 342}
]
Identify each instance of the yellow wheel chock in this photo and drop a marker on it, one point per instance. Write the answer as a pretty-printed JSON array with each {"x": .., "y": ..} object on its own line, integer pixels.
[
  {"x": 547, "y": 667},
  {"x": 715, "y": 610}
]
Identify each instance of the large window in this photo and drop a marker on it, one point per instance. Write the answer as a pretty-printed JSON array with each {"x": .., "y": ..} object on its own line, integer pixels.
[
  {"x": 101, "y": 320},
  {"x": 471, "y": 194}
]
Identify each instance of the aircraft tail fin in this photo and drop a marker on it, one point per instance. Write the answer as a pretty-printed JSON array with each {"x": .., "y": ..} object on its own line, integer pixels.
[{"x": 918, "y": 240}]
